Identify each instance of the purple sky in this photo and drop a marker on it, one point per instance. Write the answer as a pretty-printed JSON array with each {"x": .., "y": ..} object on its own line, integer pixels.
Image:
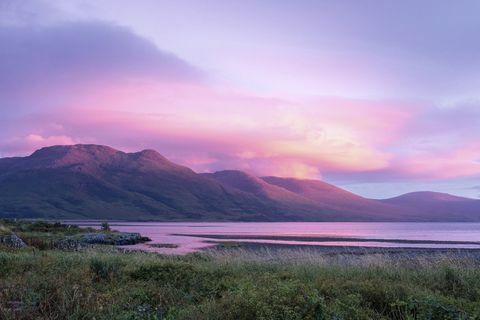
[{"x": 379, "y": 97}]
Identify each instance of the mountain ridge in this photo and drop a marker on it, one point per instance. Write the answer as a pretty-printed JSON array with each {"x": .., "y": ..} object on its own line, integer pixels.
[{"x": 100, "y": 182}]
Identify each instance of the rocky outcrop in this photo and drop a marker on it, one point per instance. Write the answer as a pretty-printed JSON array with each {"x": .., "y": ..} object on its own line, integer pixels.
[
  {"x": 69, "y": 245},
  {"x": 114, "y": 238},
  {"x": 12, "y": 241},
  {"x": 82, "y": 241}
]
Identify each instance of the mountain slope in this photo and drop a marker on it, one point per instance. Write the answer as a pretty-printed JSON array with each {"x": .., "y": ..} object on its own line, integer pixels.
[
  {"x": 279, "y": 198},
  {"x": 248, "y": 183},
  {"x": 99, "y": 182},
  {"x": 336, "y": 199}
]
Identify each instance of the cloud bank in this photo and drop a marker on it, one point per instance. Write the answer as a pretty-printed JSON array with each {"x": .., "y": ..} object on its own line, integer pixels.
[{"x": 97, "y": 82}]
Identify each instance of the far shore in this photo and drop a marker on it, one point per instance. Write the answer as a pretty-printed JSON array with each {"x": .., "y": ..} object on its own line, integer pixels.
[
  {"x": 320, "y": 239},
  {"x": 328, "y": 250}
]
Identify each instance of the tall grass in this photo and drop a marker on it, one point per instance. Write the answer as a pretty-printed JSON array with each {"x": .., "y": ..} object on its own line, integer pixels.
[{"x": 236, "y": 284}]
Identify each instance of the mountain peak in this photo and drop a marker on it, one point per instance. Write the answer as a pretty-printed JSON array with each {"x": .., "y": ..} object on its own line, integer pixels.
[
  {"x": 89, "y": 157},
  {"x": 429, "y": 196},
  {"x": 62, "y": 150},
  {"x": 65, "y": 155},
  {"x": 150, "y": 154}
]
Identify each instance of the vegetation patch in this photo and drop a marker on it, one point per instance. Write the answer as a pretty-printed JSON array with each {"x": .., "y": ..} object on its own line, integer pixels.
[{"x": 44, "y": 235}]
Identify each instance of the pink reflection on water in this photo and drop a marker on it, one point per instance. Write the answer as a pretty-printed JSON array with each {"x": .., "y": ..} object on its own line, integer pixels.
[{"x": 162, "y": 233}]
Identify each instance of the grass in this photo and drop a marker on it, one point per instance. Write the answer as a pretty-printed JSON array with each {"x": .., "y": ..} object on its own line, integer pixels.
[{"x": 234, "y": 283}]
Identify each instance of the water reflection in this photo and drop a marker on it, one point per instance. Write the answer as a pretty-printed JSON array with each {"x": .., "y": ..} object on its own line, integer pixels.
[{"x": 183, "y": 234}]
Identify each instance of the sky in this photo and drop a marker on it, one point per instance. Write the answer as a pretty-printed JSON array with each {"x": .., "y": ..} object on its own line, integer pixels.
[{"x": 379, "y": 97}]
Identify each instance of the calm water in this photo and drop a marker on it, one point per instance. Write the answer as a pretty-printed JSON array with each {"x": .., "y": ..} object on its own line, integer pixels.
[{"x": 176, "y": 233}]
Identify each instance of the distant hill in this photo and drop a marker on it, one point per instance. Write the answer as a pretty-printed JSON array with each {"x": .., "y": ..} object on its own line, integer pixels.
[
  {"x": 335, "y": 199},
  {"x": 438, "y": 206},
  {"x": 99, "y": 182}
]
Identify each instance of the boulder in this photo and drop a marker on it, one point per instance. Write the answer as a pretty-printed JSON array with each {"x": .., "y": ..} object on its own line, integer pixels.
[
  {"x": 12, "y": 241},
  {"x": 114, "y": 238}
]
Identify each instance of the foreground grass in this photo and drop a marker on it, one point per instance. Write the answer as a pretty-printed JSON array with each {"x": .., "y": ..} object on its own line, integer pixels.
[{"x": 101, "y": 283}]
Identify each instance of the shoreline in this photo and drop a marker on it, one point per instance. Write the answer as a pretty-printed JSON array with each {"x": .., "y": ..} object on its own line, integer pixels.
[
  {"x": 321, "y": 239},
  {"x": 343, "y": 251}
]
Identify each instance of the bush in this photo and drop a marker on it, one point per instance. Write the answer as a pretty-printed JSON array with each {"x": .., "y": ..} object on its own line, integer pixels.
[
  {"x": 196, "y": 283},
  {"x": 106, "y": 269},
  {"x": 277, "y": 299},
  {"x": 105, "y": 226},
  {"x": 269, "y": 299},
  {"x": 39, "y": 243}
]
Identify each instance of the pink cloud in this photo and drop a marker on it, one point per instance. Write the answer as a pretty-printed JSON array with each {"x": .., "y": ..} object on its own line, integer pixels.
[
  {"x": 242, "y": 125},
  {"x": 462, "y": 161},
  {"x": 27, "y": 144},
  {"x": 125, "y": 104},
  {"x": 210, "y": 129}
]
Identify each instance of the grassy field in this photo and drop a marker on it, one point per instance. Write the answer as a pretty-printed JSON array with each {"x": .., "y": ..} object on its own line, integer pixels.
[{"x": 234, "y": 283}]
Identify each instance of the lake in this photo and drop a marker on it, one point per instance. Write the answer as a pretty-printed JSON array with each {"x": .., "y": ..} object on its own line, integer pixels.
[{"x": 194, "y": 236}]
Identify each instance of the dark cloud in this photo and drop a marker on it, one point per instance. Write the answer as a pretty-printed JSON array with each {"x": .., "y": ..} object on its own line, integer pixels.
[
  {"x": 71, "y": 53},
  {"x": 27, "y": 12}
]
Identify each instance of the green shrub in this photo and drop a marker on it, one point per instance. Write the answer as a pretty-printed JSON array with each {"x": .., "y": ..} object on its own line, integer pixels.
[
  {"x": 105, "y": 226},
  {"x": 106, "y": 268},
  {"x": 198, "y": 283},
  {"x": 268, "y": 299},
  {"x": 39, "y": 243}
]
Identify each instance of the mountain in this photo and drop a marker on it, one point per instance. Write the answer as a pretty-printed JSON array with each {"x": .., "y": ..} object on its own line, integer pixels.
[
  {"x": 99, "y": 182},
  {"x": 436, "y": 206},
  {"x": 90, "y": 181}
]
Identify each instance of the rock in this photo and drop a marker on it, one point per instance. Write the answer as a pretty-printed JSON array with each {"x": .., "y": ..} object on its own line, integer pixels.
[
  {"x": 69, "y": 245},
  {"x": 115, "y": 238},
  {"x": 82, "y": 241},
  {"x": 12, "y": 241}
]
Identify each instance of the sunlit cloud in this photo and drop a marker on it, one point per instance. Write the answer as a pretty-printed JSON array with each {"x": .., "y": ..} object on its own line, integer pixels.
[{"x": 65, "y": 81}]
